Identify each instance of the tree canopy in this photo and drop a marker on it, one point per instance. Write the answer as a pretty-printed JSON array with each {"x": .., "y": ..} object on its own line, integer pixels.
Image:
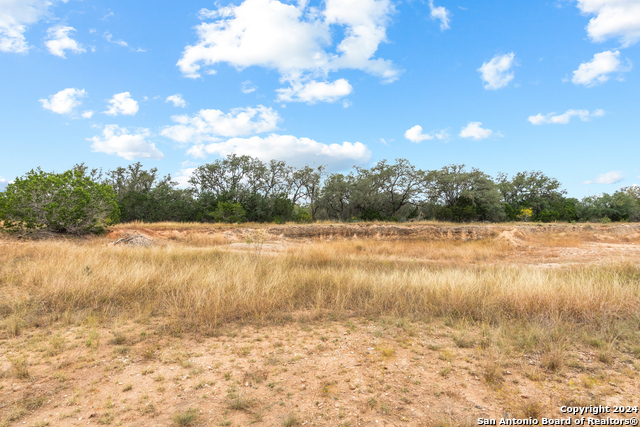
[{"x": 244, "y": 188}]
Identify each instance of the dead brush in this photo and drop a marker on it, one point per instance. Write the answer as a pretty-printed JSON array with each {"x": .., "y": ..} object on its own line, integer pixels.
[
  {"x": 553, "y": 359},
  {"x": 256, "y": 376},
  {"x": 492, "y": 373},
  {"x": 238, "y": 401},
  {"x": 532, "y": 410},
  {"x": 20, "y": 367},
  {"x": 14, "y": 325}
]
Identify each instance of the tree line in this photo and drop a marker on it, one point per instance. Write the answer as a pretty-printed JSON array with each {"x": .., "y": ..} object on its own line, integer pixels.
[{"x": 246, "y": 189}]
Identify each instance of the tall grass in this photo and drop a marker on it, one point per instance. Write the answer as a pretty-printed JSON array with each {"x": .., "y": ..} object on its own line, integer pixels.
[{"x": 202, "y": 287}]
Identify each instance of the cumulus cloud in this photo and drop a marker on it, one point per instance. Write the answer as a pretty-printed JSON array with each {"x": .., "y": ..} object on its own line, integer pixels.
[
  {"x": 440, "y": 13},
  {"x": 87, "y": 114},
  {"x": 122, "y": 103},
  {"x": 618, "y": 19},
  {"x": 496, "y": 73},
  {"x": 295, "y": 40},
  {"x": 176, "y": 100},
  {"x": 415, "y": 135},
  {"x": 211, "y": 125},
  {"x": 65, "y": 101},
  {"x": 294, "y": 150},
  {"x": 612, "y": 177},
  {"x": 597, "y": 70},
  {"x": 15, "y": 18},
  {"x": 564, "y": 118},
  {"x": 474, "y": 130},
  {"x": 130, "y": 146},
  {"x": 58, "y": 41},
  {"x": 183, "y": 177},
  {"x": 313, "y": 91}
]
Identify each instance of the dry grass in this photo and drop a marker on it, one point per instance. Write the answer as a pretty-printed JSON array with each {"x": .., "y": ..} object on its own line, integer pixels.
[
  {"x": 203, "y": 287},
  {"x": 193, "y": 322}
]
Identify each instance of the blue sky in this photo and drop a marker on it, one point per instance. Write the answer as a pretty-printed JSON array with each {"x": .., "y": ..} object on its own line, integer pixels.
[{"x": 502, "y": 86}]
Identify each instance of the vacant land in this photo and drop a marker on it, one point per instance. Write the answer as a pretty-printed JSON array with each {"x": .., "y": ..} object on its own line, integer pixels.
[{"x": 324, "y": 324}]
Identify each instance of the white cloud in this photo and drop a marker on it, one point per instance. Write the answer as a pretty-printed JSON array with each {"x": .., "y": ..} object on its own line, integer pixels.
[
  {"x": 109, "y": 37},
  {"x": 3, "y": 183},
  {"x": 248, "y": 87},
  {"x": 597, "y": 71},
  {"x": 122, "y": 103},
  {"x": 474, "y": 130},
  {"x": 176, "y": 100},
  {"x": 313, "y": 91},
  {"x": 87, "y": 114},
  {"x": 613, "y": 19},
  {"x": 297, "y": 151},
  {"x": 440, "y": 13},
  {"x": 65, "y": 101},
  {"x": 210, "y": 125},
  {"x": 182, "y": 177},
  {"x": 564, "y": 118},
  {"x": 118, "y": 141},
  {"x": 15, "y": 17},
  {"x": 58, "y": 41},
  {"x": 612, "y": 177},
  {"x": 295, "y": 40},
  {"x": 415, "y": 135},
  {"x": 495, "y": 73}
]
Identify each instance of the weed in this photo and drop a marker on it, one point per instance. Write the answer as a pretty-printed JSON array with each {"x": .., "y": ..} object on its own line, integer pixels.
[
  {"x": 463, "y": 340},
  {"x": 553, "y": 360},
  {"x": 492, "y": 373},
  {"x": 186, "y": 418},
  {"x": 388, "y": 352},
  {"x": 532, "y": 410},
  {"x": 21, "y": 367},
  {"x": 238, "y": 401},
  {"x": 118, "y": 339},
  {"x": 446, "y": 371},
  {"x": 604, "y": 356},
  {"x": 290, "y": 420}
]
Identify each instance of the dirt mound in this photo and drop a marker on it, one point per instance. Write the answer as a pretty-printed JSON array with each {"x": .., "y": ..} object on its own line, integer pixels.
[
  {"x": 135, "y": 239},
  {"x": 514, "y": 237},
  {"x": 376, "y": 231}
]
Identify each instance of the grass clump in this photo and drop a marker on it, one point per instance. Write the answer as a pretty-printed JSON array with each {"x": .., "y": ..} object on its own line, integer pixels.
[
  {"x": 290, "y": 420},
  {"x": 20, "y": 367},
  {"x": 187, "y": 418}
]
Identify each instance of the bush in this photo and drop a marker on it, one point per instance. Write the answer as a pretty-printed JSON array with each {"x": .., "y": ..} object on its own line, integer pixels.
[
  {"x": 229, "y": 212},
  {"x": 70, "y": 202}
]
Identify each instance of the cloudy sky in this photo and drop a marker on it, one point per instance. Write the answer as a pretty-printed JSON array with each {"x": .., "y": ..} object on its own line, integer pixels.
[{"x": 500, "y": 85}]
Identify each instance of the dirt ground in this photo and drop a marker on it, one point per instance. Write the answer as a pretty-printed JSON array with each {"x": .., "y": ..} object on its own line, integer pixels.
[{"x": 315, "y": 369}]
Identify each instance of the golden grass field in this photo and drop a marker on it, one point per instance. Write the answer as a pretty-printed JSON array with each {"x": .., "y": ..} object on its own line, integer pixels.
[{"x": 348, "y": 325}]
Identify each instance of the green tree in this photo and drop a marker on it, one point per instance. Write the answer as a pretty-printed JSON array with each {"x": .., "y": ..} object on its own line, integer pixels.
[
  {"x": 143, "y": 196},
  {"x": 463, "y": 195},
  {"x": 533, "y": 190},
  {"x": 70, "y": 202},
  {"x": 335, "y": 196},
  {"x": 620, "y": 206},
  {"x": 229, "y": 212}
]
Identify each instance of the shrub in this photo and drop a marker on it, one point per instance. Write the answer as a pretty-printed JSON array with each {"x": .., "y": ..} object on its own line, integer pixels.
[
  {"x": 525, "y": 214},
  {"x": 70, "y": 202},
  {"x": 229, "y": 212}
]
